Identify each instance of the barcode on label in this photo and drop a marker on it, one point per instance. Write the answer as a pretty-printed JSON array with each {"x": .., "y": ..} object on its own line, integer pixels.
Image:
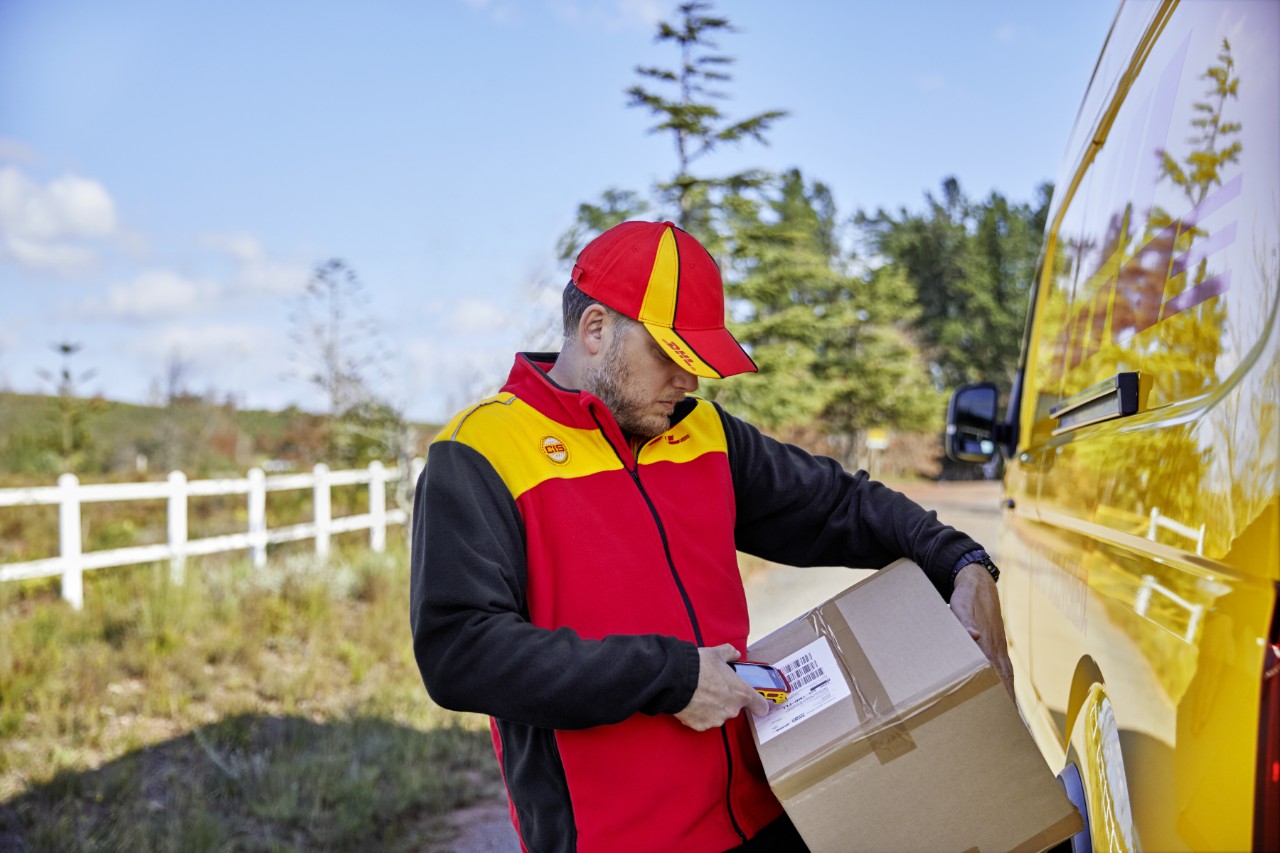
[{"x": 802, "y": 671}]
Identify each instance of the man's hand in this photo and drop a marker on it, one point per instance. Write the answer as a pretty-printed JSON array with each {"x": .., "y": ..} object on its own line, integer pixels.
[
  {"x": 721, "y": 693},
  {"x": 976, "y": 604}
]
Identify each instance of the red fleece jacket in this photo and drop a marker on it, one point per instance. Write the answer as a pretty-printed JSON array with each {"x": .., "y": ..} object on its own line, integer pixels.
[{"x": 562, "y": 584}]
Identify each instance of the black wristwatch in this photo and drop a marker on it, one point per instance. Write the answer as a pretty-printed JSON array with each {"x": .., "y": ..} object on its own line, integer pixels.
[{"x": 982, "y": 559}]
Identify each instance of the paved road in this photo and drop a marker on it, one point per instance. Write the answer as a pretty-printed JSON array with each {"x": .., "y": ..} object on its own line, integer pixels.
[
  {"x": 780, "y": 593},
  {"x": 775, "y": 595}
]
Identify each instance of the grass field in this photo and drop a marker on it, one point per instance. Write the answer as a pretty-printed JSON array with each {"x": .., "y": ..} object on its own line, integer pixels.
[{"x": 272, "y": 710}]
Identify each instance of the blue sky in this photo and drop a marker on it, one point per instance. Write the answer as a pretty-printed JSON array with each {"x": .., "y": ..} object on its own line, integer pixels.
[{"x": 170, "y": 173}]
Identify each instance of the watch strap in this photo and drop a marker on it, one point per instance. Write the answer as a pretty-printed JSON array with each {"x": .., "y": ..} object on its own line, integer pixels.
[{"x": 980, "y": 557}]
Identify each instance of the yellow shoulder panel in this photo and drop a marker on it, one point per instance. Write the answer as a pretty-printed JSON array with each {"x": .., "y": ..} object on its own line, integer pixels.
[{"x": 526, "y": 447}]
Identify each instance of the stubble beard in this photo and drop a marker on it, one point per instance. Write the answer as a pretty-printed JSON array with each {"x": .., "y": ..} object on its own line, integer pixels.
[{"x": 609, "y": 382}]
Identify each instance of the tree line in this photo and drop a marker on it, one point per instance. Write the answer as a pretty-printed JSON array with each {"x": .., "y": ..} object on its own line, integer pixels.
[
  {"x": 856, "y": 320},
  {"x": 337, "y": 349}
]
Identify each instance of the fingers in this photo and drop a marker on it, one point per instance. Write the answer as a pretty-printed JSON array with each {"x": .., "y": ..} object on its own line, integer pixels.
[
  {"x": 726, "y": 652},
  {"x": 755, "y": 703},
  {"x": 997, "y": 654},
  {"x": 721, "y": 694},
  {"x": 1004, "y": 668}
]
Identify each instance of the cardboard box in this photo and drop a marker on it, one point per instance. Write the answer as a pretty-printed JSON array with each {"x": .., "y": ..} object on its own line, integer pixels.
[{"x": 898, "y": 734}]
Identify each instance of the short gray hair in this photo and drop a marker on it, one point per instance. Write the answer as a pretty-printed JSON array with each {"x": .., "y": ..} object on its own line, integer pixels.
[{"x": 574, "y": 304}]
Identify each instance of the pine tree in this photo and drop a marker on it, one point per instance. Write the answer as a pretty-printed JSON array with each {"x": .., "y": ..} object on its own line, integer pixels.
[
  {"x": 690, "y": 115},
  {"x": 833, "y": 345},
  {"x": 971, "y": 266},
  {"x": 683, "y": 99}
]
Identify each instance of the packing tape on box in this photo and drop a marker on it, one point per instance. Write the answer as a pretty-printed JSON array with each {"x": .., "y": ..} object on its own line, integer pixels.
[
  {"x": 870, "y": 698},
  {"x": 885, "y": 730},
  {"x": 819, "y": 764}
]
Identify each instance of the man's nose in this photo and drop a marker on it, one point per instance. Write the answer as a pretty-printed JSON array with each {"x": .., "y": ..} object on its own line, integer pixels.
[{"x": 686, "y": 381}]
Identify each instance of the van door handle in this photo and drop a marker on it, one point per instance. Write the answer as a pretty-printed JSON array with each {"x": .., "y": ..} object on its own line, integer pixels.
[{"x": 1116, "y": 397}]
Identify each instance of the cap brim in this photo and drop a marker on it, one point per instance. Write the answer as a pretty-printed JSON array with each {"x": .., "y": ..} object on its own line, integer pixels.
[{"x": 711, "y": 353}]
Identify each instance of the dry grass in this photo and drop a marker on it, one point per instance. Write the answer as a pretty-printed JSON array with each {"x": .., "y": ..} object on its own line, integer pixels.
[{"x": 271, "y": 710}]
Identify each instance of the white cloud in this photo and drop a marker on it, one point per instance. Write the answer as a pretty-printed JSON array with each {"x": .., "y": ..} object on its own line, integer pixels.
[
  {"x": 44, "y": 255},
  {"x": 244, "y": 248},
  {"x": 642, "y": 12},
  {"x": 231, "y": 357},
  {"x": 256, "y": 272},
  {"x": 209, "y": 343},
  {"x": 1007, "y": 34},
  {"x": 52, "y": 226},
  {"x": 931, "y": 82},
  {"x": 619, "y": 15},
  {"x": 13, "y": 151},
  {"x": 159, "y": 293},
  {"x": 478, "y": 316},
  {"x": 152, "y": 295},
  {"x": 273, "y": 278},
  {"x": 448, "y": 377}
]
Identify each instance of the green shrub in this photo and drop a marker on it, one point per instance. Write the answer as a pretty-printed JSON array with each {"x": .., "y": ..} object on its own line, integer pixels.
[{"x": 275, "y": 709}]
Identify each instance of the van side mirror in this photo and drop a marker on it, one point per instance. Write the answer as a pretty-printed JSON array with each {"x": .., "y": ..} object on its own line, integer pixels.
[{"x": 972, "y": 424}]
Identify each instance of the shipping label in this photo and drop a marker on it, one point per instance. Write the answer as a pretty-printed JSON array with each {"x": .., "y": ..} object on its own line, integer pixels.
[{"x": 816, "y": 683}]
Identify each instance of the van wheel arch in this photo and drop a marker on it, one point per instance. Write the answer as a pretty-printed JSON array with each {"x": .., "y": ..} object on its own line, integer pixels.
[
  {"x": 1095, "y": 754},
  {"x": 1087, "y": 675}
]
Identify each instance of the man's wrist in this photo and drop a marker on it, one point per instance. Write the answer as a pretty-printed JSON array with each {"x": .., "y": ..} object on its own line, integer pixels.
[
  {"x": 690, "y": 669},
  {"x": 979, "y": 558}
]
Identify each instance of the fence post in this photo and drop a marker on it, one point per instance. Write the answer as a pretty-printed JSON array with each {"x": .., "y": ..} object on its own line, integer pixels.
[
  {"x": 323, "y": 512},
  {"x": 377, "y": 507},
  {"x": 177, "y": 527},
  {"x": 258, "y": 517},
  {"x": 69, "y": 541}
]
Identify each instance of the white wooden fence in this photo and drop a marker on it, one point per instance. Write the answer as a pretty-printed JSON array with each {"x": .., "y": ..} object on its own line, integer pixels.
[
  {"x": 1158, "y": 520},
  {"x": 72, "y": 562}
]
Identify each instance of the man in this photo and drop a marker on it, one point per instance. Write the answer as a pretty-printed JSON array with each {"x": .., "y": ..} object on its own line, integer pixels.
[{"x": 575, "y": 573}]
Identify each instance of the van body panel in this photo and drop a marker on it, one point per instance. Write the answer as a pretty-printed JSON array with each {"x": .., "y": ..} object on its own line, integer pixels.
[{"x": 1142, "y": 551}]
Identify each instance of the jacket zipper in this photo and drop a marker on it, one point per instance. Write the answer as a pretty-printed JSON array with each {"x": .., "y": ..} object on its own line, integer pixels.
[{"x": 688, "y": 606}]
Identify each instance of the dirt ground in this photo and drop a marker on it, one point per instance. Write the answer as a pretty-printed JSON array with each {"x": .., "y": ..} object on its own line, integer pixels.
[{"x": 485, "y": 828}]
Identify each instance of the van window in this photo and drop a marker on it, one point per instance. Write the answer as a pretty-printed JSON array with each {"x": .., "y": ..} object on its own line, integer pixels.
[{"x": 1162, "y": 258}]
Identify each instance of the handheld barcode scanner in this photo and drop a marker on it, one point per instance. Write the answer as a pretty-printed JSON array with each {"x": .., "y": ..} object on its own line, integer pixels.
[{"x": 767, "y": 680}]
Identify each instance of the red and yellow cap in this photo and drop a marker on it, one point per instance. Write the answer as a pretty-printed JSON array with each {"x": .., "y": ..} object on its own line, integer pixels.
[{"x": 657, "y": 274}]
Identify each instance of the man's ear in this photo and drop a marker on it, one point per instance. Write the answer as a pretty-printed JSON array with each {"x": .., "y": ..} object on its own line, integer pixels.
[{"x": 592, "y": 329}]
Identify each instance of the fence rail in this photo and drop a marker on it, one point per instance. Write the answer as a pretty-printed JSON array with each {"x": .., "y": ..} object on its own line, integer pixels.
[
  {"x": 72, "y": 562},
  {"x": 1159, "y": 520}
]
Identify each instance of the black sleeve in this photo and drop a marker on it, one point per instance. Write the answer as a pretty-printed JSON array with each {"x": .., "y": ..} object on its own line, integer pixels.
[
  {"x": 805, "y": 510},
  {"x": 475, "y": 647}
]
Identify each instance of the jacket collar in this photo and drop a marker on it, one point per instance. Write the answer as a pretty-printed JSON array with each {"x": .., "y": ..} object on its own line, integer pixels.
[{"x": 529, "y": 381}]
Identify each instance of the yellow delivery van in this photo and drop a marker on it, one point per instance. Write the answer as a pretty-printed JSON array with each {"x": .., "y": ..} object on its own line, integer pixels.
[{"x": 1140, "y": 540}]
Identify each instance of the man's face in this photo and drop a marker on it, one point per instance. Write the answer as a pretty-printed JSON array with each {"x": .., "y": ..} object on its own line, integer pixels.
[{"x": 638, "y": 382}]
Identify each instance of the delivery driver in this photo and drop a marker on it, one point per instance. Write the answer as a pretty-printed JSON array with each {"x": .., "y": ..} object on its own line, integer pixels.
[{"x": 575, "y": 573}]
